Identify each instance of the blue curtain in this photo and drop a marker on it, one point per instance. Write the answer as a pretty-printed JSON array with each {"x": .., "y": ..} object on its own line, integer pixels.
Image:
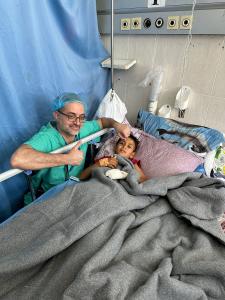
[{"x": 47, "y": 47}]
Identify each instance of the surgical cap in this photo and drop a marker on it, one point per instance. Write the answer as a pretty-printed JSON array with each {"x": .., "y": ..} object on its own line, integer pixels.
[{"x": 60, "y": 101}]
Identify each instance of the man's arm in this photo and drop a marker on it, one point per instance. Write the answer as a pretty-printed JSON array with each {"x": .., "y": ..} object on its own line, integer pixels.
[
  {"x": 26, "y": 158},
  {"x": 122, "y": 129}
]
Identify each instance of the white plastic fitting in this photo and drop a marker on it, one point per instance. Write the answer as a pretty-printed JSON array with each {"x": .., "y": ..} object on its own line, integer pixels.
[{"x": 153, "y": 79}]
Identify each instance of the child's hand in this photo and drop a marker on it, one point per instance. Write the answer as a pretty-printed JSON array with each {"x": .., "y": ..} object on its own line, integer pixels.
[
  {"x": 110, "y": 162},
  {"x": 102, "y": 162}
]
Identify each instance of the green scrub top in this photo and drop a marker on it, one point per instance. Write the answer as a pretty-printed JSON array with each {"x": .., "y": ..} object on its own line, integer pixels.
[{"x": 49, "y": 139}]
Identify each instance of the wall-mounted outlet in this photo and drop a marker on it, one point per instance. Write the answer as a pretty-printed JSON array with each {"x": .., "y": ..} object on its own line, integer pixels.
[
  {"x": 173, "y": 22},
  {"x": 159, "y": 23},
  {"x": 125, "y": 24},
  {"x": 147, "y": 23},
  {"x": 186, "y": 22},
  {"x": 136, "y": 23}
]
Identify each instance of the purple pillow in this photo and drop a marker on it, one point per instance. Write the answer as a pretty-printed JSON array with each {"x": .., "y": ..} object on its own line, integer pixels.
[{"x": 161, "y": 158}]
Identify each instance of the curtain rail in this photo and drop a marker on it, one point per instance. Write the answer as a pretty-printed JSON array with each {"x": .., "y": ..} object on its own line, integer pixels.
[{"x": 10, "y": 173}]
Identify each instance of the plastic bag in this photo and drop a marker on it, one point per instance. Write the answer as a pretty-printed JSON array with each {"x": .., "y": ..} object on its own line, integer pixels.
[{"x": 112, "y": 107}]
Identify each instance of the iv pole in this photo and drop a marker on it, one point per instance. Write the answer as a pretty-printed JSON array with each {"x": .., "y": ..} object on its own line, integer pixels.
[{"x": 112, "y": 49}]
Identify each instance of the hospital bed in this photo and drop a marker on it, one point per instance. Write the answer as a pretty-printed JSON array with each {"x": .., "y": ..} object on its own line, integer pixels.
[
  {"x": 115, "y": 239},
  {"x": 118, "y": 239}
]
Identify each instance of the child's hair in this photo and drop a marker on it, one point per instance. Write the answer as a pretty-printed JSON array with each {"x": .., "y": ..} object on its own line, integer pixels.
[{"x": 136, "y": 141}]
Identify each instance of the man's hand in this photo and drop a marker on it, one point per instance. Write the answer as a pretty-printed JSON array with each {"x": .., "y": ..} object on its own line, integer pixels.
[
  {"x": 110, "y": 162},
  {"x": 75, "y": 156},
  {"x": 123, "y": 130}
]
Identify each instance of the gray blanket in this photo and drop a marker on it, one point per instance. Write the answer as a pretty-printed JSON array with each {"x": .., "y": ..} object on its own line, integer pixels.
[{"x": 106, "y": 239}]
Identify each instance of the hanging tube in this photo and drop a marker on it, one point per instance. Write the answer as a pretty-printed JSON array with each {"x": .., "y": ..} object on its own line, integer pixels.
[
  {"x": 112, "y": 45},
  {"x": 10, "y": 173}
]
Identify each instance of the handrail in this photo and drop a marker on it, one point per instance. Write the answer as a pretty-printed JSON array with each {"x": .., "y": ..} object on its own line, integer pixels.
[{"x": 12, "y": 172}]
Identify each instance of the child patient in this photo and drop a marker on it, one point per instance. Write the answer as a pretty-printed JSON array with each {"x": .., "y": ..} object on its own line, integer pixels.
[{"x": 125, "y": 148}]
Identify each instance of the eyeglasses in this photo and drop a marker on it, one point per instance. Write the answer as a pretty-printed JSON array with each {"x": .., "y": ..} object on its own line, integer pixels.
[{"x": 73, "y": 117}]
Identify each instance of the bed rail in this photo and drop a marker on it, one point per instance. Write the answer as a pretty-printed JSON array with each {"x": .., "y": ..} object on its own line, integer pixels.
[{"x": 12, "y": 172}]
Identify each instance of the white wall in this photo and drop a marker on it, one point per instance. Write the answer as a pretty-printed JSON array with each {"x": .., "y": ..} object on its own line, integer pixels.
[{"x": 203, "y": 70}]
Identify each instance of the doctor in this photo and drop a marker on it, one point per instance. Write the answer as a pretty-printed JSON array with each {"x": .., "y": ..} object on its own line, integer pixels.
[{"x": 68, "y": 126}]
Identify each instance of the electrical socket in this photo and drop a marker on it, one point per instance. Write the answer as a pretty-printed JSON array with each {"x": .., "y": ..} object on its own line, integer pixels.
[
  {"x": 186, "y": 22},
  {"x": 159, "y": 22},
  {"x": 173, "y": 22},
  {"x": 136, "y": 23},
  {"x": 125, "y": 24}
]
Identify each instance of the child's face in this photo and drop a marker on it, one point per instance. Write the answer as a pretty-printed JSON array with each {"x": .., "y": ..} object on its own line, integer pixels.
[{"x": 126, "y": 147}]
